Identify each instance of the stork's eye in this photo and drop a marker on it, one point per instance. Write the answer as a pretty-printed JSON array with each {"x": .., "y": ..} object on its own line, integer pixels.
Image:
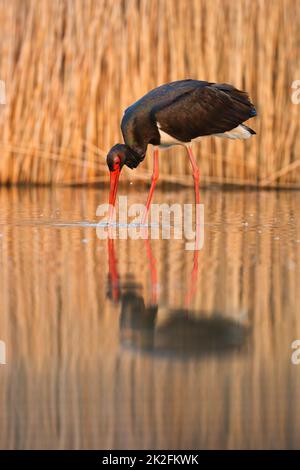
[{"x": 116, "y": 162}]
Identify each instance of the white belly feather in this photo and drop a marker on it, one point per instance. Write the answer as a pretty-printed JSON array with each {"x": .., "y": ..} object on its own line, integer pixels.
[{"x": 166, "y": 140}]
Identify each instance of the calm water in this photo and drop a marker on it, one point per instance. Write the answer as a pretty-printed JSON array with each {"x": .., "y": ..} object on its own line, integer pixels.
[{"x": 130, "y": 344}]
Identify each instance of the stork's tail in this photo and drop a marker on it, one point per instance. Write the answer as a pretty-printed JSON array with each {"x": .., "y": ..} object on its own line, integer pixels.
[
  {"x": 240, "y": 132},
  {"x": 248, "y": 129}
]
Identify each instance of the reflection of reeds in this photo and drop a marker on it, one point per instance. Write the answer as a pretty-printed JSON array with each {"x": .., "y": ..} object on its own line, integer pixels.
[
  {"x": 72, "y": 67},
  {"x": 69, "y": 384}
]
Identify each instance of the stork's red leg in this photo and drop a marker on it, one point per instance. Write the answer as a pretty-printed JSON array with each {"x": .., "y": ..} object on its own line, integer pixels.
[
  {"x": 195, "y": 173},
  {"x": 155, "y": 175}
]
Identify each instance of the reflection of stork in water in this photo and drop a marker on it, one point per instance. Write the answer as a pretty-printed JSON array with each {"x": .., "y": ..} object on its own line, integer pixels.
[{"x": 184, "y": 333}]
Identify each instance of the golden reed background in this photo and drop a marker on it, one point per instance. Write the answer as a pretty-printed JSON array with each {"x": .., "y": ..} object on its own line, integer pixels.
[
  {"x": 71, "y": 67},
  {"x": 69, "y": 383}
]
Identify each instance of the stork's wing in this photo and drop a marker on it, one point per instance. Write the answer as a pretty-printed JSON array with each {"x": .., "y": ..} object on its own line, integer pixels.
[
  {"x": 165, "y": 94},
  {"x": 212, "y": 109}
]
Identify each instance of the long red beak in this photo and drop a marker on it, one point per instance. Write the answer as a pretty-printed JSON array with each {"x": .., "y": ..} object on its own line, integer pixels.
[{"x": 114, "y": 180}]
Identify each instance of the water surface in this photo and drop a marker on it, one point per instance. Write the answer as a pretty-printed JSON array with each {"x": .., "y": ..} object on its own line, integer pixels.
[{"x": 131, "y": 344}]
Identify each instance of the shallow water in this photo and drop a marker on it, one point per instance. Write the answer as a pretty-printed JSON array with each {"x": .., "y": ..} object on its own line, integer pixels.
[{"x": 130, "y": 344}]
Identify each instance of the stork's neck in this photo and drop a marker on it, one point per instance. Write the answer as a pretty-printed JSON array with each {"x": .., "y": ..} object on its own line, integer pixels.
[
  {"x": 134, "y": 156},
  {"x": 134, "y": 135},
  {"x": 137, "y": 151}
]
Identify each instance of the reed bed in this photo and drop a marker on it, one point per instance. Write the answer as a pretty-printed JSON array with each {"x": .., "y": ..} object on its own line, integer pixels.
[
  {"x": 69, "y": 383},
  {"x": 71, "y": 67}
]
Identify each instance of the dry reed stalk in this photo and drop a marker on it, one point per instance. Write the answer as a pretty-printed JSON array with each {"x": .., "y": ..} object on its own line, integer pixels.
[{"x": 71, "y": 67}]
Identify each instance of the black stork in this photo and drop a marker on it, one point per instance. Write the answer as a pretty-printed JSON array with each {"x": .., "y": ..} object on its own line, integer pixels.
[{"x": 178, "y": 113}]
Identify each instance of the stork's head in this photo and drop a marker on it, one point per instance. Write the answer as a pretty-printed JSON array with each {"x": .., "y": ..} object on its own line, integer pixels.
[
  {"x": 119, "y": 155},
  {"x": 116, "y": 157}
]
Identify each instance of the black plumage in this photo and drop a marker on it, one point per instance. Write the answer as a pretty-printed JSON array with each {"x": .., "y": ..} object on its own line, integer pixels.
[{"x": 185, "y": 110}]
